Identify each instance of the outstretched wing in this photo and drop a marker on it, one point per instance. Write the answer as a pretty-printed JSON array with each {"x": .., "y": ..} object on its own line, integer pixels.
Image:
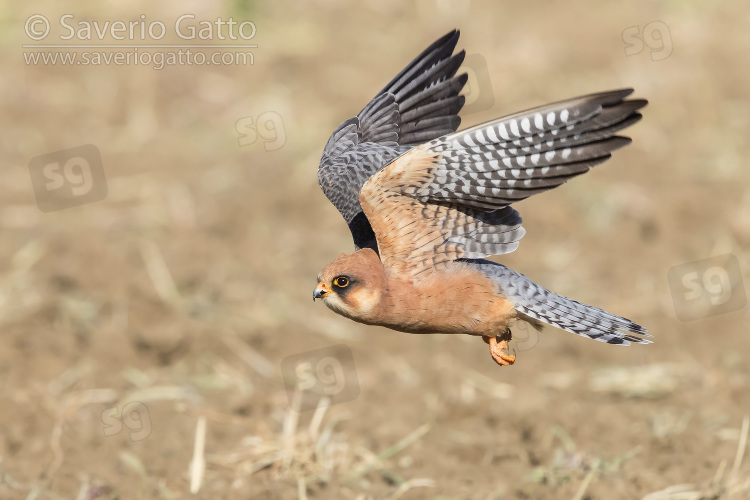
[
  {"x": 449, "y": 198},
  {"x": 418, "y": 105}
]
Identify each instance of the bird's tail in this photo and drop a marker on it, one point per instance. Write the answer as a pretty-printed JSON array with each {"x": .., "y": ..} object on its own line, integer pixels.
[{"x": 541, "y": 305}]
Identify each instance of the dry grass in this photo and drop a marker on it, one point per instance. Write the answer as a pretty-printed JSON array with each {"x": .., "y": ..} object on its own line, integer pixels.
[
  {"x": 724, "y": 485},
  {"x": 185, "y": 289}
]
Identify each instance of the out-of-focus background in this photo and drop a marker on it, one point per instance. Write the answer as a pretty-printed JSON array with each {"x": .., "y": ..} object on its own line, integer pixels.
[{"x": 162, "y": 230}]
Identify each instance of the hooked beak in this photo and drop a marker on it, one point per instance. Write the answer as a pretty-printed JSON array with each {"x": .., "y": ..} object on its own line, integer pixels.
[{"x": 321, "y": 291}]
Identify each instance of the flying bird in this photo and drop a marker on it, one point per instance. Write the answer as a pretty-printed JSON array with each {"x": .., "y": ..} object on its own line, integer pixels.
[{"x": 427, "y": 204}]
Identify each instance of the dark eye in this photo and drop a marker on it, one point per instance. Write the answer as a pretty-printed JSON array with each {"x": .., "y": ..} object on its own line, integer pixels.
[{"x": 341, "y": 282}]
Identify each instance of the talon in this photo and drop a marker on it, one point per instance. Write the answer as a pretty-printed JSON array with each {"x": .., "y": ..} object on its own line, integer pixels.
[
  {"x": 507, "y": 335},
  {"x": 498, "y": 351}
]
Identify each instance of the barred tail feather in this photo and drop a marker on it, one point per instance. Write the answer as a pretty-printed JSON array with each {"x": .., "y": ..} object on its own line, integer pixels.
[{"x": 538, "y": 303}]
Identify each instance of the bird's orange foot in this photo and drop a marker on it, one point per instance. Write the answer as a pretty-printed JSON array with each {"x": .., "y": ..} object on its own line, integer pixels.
[{"x": 498, "y": 350}]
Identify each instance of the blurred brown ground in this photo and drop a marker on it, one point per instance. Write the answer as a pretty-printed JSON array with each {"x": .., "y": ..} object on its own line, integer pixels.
[{"x": 204, "y": 254}]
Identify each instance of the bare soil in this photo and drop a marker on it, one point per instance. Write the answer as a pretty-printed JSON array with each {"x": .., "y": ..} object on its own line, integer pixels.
[{"x": 129, "y": 322}]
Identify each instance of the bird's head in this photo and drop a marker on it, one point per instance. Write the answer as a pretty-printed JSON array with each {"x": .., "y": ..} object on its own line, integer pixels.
[{"x": 353, "y": 284}]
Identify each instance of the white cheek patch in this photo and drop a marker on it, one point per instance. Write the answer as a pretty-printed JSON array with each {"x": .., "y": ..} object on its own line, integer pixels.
[
  {"x": 361, "y": 303},
  {"x": 366, "y": 300},
  {"x": 336, "y": 305}
]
